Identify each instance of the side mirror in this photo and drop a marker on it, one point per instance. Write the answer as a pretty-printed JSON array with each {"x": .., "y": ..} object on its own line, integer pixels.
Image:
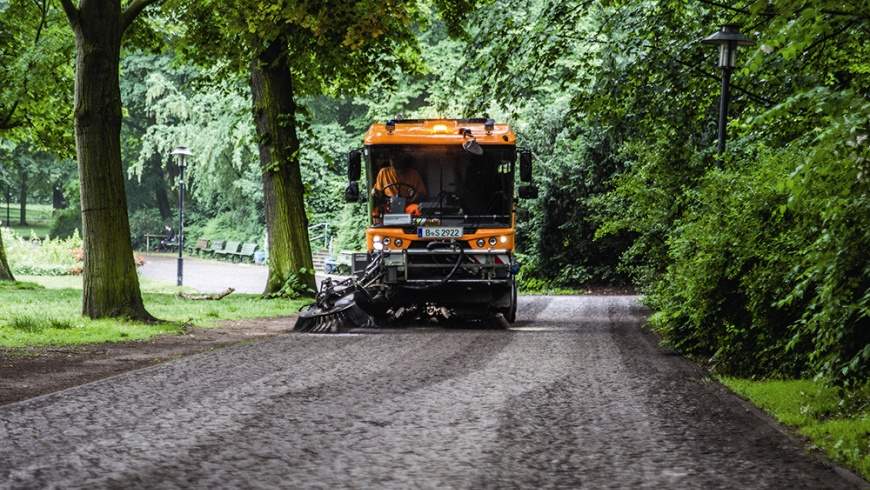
[
  {"x": 528, "y": 191},
  {"x": 526, "y": 166},
  {"x": 351, "y": 192},
  {"x": 354, "y": 165}
]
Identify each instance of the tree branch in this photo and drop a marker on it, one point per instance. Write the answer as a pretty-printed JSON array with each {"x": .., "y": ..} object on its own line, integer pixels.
[
  {"x": 6, "y": 121},
  {"x": 72, "y": 13},
  {"x": 133, "y": 11}
]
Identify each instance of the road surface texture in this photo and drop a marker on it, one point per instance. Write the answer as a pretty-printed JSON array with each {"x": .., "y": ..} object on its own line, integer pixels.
[{"x": 575, "y": 395}]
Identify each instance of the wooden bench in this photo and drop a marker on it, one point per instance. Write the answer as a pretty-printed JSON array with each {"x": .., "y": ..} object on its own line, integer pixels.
[
  {"x": 231, "y": 249},
  {"x": 216, "y": 246},
  {"x": 247, "y": 251},
  {"x": 201, "y": 246}
]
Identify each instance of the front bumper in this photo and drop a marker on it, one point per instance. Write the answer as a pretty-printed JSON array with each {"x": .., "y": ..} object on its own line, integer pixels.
[{"x": 423, "y": 266}]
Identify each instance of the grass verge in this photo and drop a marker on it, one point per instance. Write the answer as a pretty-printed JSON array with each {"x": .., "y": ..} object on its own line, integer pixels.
[
  {"x": 33, "y": 315},
  {"x": 839, "y": 427},
  {"x": 39, "y": 217}
]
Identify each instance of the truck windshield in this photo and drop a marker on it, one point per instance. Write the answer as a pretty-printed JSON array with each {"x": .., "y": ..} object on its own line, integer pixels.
[{"x": 445, "y": 182}]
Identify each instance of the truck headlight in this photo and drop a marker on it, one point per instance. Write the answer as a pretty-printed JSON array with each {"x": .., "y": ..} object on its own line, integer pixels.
[
  {"x": 480, "y": 242},
  {"x": 503, "y": 239},
  {"x": 492, "y": 241},
  {"x": 386, "y": 240},
  {"x": 397, "y": 242},
  {"x": 377, "y": 242}
]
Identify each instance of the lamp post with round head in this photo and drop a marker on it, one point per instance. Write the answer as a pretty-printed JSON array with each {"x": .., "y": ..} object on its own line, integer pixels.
[
  {"x": 727, "y": 38},
  {"x": 181, "y": 153}
]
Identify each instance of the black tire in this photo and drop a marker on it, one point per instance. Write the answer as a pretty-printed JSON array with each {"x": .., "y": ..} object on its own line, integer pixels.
[{"x": 510, "y": 313}]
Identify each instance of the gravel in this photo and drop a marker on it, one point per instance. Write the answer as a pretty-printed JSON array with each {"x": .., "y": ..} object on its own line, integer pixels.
[{"x": 575, "y": 394}]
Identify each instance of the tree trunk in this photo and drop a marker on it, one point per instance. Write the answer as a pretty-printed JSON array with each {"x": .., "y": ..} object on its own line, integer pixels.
[
  {"x": 160, "y": 194},
  {"x": 22, "y": 197},
  {"x": 5, "y": 271},
  {"x": 111, "y": 285},
  {"x": 275, "y": 119},
  {"x": 58, "y": 201}
]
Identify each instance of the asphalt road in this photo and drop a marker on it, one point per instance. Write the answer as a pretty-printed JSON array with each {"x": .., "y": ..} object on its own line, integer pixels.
[
  {"x": 209, "y": 276},
  {"x": 575, "y": 395}
]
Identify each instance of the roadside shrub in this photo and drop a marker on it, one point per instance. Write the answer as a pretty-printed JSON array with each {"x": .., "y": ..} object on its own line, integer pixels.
[{"x": 767, "y": 271}]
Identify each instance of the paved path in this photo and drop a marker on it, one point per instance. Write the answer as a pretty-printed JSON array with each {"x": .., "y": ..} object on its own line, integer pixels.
[
  {"x": 208, "y": 276},
  {"x": 575, "y": 395}
]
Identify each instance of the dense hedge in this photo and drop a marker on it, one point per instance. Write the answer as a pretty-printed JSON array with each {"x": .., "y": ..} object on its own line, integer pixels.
[{"x": 768, "y": 270}]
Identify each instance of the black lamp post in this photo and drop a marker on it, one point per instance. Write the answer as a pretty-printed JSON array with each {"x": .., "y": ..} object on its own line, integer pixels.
[
  {"x": 182, "y": 153},
  {"x": 728, "y": 38}
]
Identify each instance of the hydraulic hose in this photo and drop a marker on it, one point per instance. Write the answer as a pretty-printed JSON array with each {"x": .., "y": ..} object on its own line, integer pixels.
[{"x": 449, "y": 275}]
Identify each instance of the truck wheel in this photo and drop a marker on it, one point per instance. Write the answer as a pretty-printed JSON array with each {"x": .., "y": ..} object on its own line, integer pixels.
[{"x": 510, "y": 314}]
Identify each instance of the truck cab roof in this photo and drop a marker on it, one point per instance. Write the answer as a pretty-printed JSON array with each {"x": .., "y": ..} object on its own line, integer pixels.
[{"x": 438, "y": 132}]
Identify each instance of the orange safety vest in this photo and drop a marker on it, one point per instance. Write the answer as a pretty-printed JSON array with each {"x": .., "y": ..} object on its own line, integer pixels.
[{"x": 387, "y": 176}]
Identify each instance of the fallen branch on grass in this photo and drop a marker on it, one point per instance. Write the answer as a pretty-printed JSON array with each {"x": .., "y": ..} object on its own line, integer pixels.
[{"x": 210, "y": 297}]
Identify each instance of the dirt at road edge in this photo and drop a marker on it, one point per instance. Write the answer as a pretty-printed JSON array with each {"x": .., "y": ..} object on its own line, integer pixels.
[{"x": 26, "y": 373}]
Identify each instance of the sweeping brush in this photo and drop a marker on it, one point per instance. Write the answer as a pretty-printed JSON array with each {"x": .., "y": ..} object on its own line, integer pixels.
[{"x": 344, "y": 315}]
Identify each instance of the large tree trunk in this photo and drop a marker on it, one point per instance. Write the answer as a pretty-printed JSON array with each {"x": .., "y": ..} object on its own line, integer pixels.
[
  {"x": 22, "y": 197},
  {"x": 275, "y": 119},
  {"x": 111, "y": 286},
  {"x": 5, "y": 271}
]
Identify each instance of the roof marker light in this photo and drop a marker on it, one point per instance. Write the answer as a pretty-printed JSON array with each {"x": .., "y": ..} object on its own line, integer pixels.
[
  {"x": 391, "y": 125},
  {"x": 489, "y": 125},
  {"x": 440, "y": 128}
]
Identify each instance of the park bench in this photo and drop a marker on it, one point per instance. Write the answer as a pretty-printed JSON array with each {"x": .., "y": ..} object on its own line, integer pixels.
[
  {"x": 247, "y": 251},
  {"x": 201, "y": 246},
  {"x": 231, "y": 249},
  {"x": 216, "y": 246}
]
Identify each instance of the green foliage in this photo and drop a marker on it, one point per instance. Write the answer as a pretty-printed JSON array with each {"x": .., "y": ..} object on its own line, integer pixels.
[
  {"x": 294, "y": 287},
  {"x": 755, "y": 262},
  {"x": 66, "y": 223},
  {"x": 35, "y": 54},
  {"x": 227, "y": 225},
  {"x": 838, "y": 425},
  {"x": 146, "y": 221},
  {"x": 43, "y": 257},
  {"x": 352, "y": 225}
]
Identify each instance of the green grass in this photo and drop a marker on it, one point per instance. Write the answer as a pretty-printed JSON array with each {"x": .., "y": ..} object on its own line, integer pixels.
[
  {"x": 75, "y": 282},
  {"x": 841, "y": 428},
  {"x": 34, "y": 315},
  {"x": 39, "y": 218},
  {"x": 40, "y": 230}
]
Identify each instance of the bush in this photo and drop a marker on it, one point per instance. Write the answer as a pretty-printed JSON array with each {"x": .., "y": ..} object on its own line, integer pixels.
[
  {"x": 228, "y": 225},
  {"x": 767, "y": 272},
  {"x": 43, "y": 257},
  {"x": 67, "y": 222},
  {"x": 145, "y": 222},
  {"x": 351, "y": 228}
]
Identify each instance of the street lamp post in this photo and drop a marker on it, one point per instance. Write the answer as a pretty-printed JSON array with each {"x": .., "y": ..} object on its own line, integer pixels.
[
  {"x": 727, "y": 38},
  {"x": 181, "y": 152}
]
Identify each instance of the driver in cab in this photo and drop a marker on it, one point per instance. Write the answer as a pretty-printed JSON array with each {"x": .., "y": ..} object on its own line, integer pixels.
[{"x": 399, "y": 178}]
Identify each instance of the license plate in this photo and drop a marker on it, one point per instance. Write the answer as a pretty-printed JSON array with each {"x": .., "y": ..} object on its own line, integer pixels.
[{"x": 439, "y": 232}]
